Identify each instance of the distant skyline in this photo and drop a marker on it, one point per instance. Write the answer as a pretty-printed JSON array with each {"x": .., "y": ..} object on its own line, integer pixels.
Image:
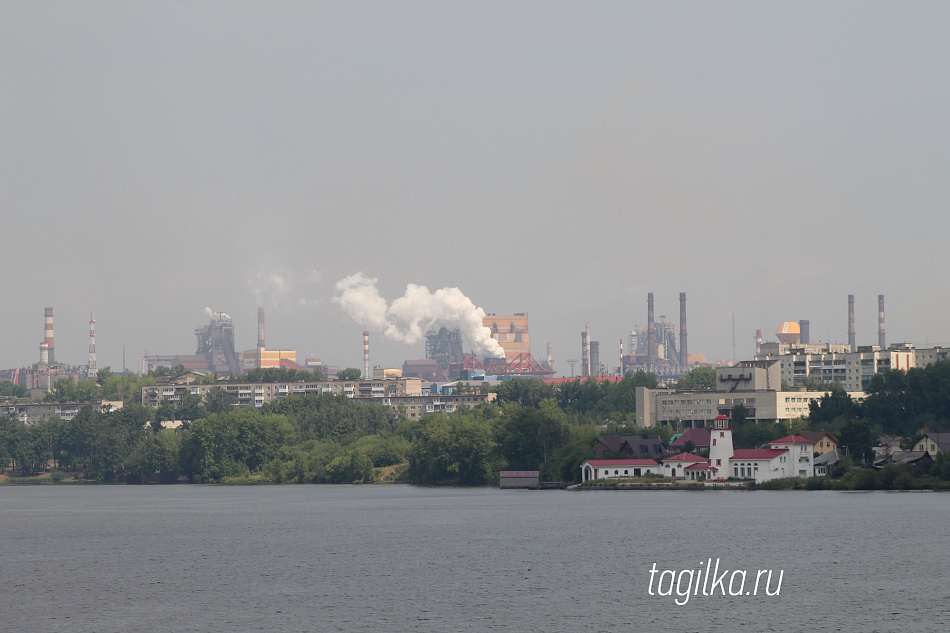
[{"x": 557, "y": 158}]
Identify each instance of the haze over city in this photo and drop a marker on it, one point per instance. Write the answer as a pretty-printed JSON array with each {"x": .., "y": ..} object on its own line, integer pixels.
[{"x": 561, "y": 159}]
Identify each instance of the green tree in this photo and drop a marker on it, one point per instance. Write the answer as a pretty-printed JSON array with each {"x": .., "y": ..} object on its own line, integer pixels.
[
  {"x": 12, "y": 390},
  {"x": 454, "y": 448},
  {"x": 217, "y": 400},
  {"x": 350, "y": 373},
  {"x": 698, "y": 378},
  {"x": 528, "y": 392},
  {"x": 856, "y": 439}
]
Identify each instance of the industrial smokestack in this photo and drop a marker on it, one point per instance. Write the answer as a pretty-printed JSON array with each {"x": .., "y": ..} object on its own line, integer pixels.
[
  {"x": 651, "y": 333},
  {"x": 684, "y": 356},
  {"x": 49, "y": 336},
  {"x": 91, "y": 368},
  {"x": 585, "y": 352},
  {"x": 594, "y": 357},
  {"x": 260, "y": 329},
  {"x": 366, "y": 375},
  {"x": 880, "y": 322},
  {"x": 550, "y": 358},
  {"x": 852, "y": 343},
  {"x": 44, "y": 353},
  {"x": 621, "y": 358},
  {"x": 803, "y": 325},
  {"x": 758, "y": 343}
]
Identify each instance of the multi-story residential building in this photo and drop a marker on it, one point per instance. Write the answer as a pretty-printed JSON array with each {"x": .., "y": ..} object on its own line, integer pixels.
[
  {"x": 405, "y": 394},
  {"x": 756, "y": 385},
  {"x": 256, "y": 394},
  {"x": 34, "y": 412},
  {"x": 830, "y": 362}
]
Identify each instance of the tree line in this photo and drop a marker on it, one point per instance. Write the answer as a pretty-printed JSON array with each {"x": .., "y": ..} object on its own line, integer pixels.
[{"x": 532, "y": 425}]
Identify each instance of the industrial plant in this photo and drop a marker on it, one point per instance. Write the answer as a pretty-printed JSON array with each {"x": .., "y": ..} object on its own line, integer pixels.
[{"x": 446, "y": 359}]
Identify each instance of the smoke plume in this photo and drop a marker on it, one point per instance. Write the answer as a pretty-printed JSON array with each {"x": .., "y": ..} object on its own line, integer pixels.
[{"x": 408, "y": 318}]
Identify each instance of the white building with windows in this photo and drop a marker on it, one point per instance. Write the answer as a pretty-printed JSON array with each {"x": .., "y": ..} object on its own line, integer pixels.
[
  {"x": 790, "y": 456},
  {"x": 756, "y": 385},
  {"x": 597, "y": 469},
  {"x": 829, "y": 362}
]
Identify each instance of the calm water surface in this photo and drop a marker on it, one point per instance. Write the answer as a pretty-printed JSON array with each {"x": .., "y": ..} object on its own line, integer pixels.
[{"x": 398, "y": 558}]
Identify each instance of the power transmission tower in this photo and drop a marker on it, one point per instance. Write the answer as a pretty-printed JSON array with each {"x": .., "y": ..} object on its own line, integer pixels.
[{"x": 571, "y": 361}]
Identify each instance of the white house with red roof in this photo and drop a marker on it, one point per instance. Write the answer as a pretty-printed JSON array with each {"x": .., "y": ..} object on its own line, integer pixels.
[
  {"x": 801, "y": 455},
  {"x": 597, "y": 469},
  {"x": 789, "y": 456},
  {"x": 676, "y": 465},
  {"x": 759, "y": 464}
]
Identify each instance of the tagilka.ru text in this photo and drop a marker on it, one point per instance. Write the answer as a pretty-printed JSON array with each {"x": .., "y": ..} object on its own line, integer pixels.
[{"x": 707, "y": 580}]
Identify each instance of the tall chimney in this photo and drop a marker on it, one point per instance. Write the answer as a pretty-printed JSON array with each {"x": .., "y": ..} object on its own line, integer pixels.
[
  {"x": 594, "y": 357},
  {"x": 550, "y": 358},
  {"x": 621, "y": 358},
  {"x": 803, "y": 325},
  {"x": 880, "y": 322},
  {"x": 366, "y": 375},
  {"x": 758, "y": 343},
  {"x": 260, "y": 329},
  {"x": 651, "y": 333},
  {"x": 851, "y": 340},
  {"x": 49, "y": 336},
  {"x": 92, "y": 371},
  {"x": 44, "y": 353},
  {"x": 684, "y": 356},
  {"x": 585, "y": 352}
]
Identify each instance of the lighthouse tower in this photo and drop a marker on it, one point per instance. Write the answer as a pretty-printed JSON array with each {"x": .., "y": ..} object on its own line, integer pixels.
[{"x": 720, "y": 446}]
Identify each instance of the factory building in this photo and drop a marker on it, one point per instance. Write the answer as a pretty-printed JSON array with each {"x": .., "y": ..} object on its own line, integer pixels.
[
  {"x": 270, "y": 359},
  {"x": 511, "y": 332},
  {"x": 655, "y": 347},
  {"x": 214, "y": 350}
]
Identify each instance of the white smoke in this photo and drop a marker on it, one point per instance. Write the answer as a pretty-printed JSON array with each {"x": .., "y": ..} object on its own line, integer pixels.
[
  {"x": 216, "y": 315},
  {"x": 408, "y": 318}
]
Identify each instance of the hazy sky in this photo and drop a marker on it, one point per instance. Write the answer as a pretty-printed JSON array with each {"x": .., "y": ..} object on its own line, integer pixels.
[{"x": 557, "y": 158}]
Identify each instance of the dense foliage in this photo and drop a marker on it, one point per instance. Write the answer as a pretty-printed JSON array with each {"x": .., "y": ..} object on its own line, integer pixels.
[
  {"x": 531, "y": 426},
  {"x": 905, "y": 404}
]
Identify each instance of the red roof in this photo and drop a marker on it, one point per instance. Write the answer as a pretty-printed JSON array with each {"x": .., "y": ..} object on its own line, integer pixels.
[
  {"x": 792, "y": 439},
  {"x": 685, "y": 457},
  {"x": 604, "y": 463},
  {"x": 698, "y": 466},
  {"x": 758, "y": 453},
  {"x": 699, "y": 437},
  {"x": 564, "y": 379}
]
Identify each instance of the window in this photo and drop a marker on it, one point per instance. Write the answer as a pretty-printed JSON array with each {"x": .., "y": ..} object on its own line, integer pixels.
[{"x": 718, "y": 462}]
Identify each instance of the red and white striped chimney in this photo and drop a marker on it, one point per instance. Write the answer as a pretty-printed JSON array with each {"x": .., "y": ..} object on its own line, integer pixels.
[
  {"x": 366, "y": 375},
  {"x": 49, "y": 336}
]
